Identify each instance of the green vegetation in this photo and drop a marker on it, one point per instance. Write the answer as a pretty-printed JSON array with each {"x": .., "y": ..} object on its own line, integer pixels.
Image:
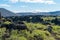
[{"x": 36, "y": 31}]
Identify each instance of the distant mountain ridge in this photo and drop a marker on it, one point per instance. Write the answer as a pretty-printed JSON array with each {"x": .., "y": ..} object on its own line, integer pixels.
[
  {"x": 56, "y": 13},
  {"x": 7, "y": 13}
]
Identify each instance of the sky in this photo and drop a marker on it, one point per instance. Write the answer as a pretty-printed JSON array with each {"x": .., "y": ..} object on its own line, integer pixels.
[{"x": 30, "y": 5}]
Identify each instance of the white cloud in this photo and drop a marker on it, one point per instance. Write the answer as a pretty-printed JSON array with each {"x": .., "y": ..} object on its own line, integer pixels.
[
  {"x": 50, "y": 2},
  {"x": 4, "y": 5},
  {"x": 14, "y": 1},
  {"x": 34, "y": 11},
  {"x": 37, "y": 10},
  {"x": 16, "y": 11},
  {"x": 39, "y": 1},
  {"x": 34, "y": 1}
]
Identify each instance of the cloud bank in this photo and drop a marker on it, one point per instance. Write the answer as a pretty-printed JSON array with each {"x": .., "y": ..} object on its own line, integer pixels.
[
  {"x": 4, "y": 5},
  {"x": 33, "y": 11},
  {"x": 34, "y": 1}
]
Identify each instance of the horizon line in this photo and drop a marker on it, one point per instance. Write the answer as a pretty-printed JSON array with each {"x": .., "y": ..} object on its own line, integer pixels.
[{"x": 30, "y": 11}]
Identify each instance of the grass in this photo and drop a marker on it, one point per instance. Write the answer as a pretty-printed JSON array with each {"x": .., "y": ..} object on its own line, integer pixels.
[{"x": 33, "y": 27}]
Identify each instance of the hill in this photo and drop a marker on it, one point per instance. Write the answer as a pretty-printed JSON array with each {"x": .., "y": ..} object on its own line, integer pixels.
[
  {"x": 6, "y": 13},
  {"x": 55, "y": 13}
]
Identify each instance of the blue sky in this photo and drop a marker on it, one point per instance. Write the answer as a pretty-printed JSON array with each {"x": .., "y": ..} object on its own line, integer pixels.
[{"x": 30, "y": 5}]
